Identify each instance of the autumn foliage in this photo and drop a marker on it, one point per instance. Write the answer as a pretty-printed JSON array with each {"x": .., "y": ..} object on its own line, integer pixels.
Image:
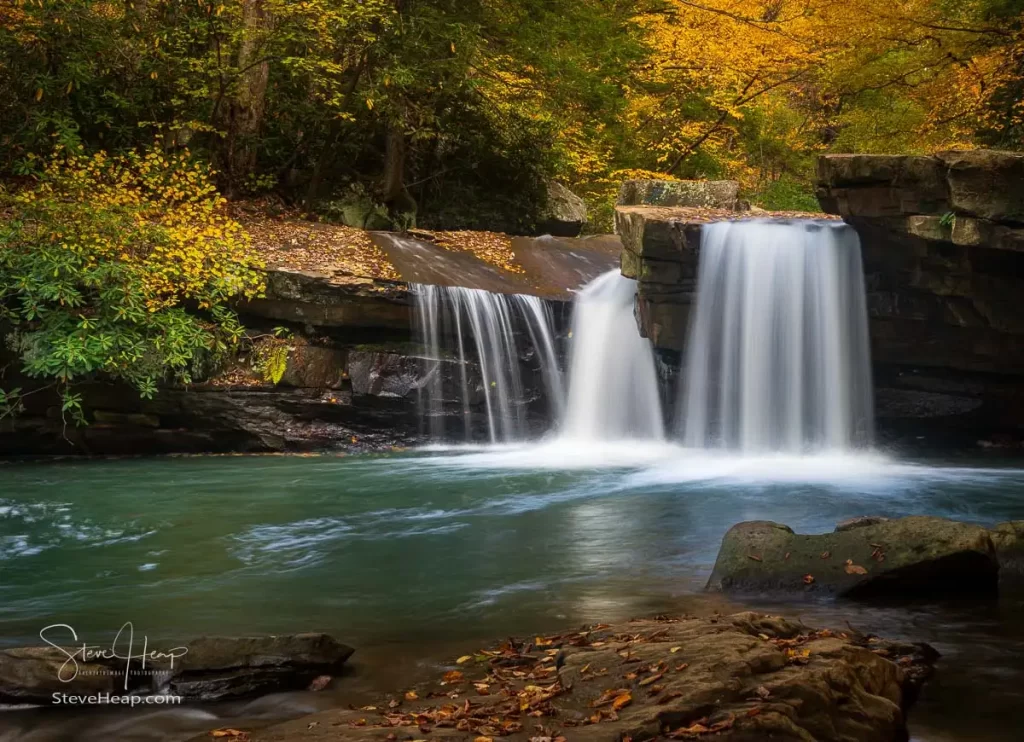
[{"x": 121, "y": 265}]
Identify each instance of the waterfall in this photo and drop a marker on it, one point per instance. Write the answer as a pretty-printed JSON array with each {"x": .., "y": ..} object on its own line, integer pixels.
[
  {"x": 613, "y": 386},
  {"x": 472, "y": 325},
  {"x": 778, "y": 356}
]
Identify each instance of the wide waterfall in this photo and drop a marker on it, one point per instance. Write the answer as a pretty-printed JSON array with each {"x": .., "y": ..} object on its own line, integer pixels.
[
  {"x": 778, "y": 356},
  {"x": 490, "y": 330},
  {"x": 613, "y": 386}
]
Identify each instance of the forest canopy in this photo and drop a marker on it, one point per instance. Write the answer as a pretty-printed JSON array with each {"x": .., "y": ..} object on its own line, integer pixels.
[{"x": 459, "y": 111}]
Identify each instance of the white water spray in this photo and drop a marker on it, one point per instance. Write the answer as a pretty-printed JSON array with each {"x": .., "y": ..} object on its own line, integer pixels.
[
  {"x": 613, "y": 386},
  {"x": 778, "y": 357}
]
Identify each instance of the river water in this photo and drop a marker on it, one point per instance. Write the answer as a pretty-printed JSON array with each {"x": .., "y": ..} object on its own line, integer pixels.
[{"x": 411, "y": 557}]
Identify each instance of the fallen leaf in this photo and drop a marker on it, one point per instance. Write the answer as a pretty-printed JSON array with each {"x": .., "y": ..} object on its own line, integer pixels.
[
  {"x": 652, "y": 679},
  {"x": 855, "y": 569},
  {"x": 483, "y": 739},
  {"x": 411, "y": 695},
  {"x": 683, "y": 666},
  {"x": 786, "y": 557},
  {"x": 232, "y": 733},
  {"x": 674, "y": 650},
  {"x": 463, "y": 659},
  {"x": 826, "y": 554},
  {"x": 393, "y": 704},
  {"x": 762, "y": 691},
  {"x": 808, "y": 579},
  {"x": 754, "y": 711},
  {"x": 622, "y": 701},
  {"x": 453, "y": 676},
  {"x": 755, "y": 558}
]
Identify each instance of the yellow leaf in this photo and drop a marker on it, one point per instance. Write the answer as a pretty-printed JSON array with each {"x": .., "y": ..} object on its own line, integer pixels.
[
  {"x": 674, "y": 649},
  {"x": 411, "y": 696},
  {"x": 369, "y": 103},
  {"x": 463, "y": 659},
  {"x": 39, "y": 94}
]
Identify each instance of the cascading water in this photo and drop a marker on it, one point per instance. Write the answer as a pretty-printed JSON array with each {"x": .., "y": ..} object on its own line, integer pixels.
[
  {"x": 472, "y": 324},
  {"x": 778, "y": 356},
  {"x": 613, "y": 386}
]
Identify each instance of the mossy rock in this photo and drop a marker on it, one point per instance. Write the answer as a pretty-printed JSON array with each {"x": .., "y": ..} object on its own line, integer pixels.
[{"x": 908, "y": 557}]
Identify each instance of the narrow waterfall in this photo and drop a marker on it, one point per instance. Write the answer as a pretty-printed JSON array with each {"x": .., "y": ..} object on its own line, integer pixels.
[
  {"x": 489, "y": 331},
  {"x": 778, "y": 356},
  {"x": 613, "y": 386}
]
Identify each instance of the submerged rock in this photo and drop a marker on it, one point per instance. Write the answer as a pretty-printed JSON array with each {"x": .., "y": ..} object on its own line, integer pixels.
[
  {"x": 742, "y": 677},
  {"x": 211, "y": 669},
  {"x": 906, "y": 557}
]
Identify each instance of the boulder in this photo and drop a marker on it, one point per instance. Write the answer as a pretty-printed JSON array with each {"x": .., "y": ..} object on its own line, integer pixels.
[
  {"x": 212, "y": 669},
  {"x": 714, "y": 194},
  {"x": 917, "y": 556},
  {"x": 565, "y": 212},
  {"x": 747, "y": 677},
  {"x": 34, "y": 674},
  {"x": 217, "y": 668},
  {"x": 1008, "y": 539}
]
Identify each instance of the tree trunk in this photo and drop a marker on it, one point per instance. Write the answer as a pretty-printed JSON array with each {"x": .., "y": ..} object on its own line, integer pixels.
[
  {"x": 401, "y": 205},
  {"x": 247, "y": 107}
]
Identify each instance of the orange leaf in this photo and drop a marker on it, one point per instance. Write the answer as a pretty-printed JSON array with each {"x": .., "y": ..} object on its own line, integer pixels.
[
  {"x": 808, "y": 579},
  {"x": 622, "y": 701},
  {"x": 855, "y": 569}
]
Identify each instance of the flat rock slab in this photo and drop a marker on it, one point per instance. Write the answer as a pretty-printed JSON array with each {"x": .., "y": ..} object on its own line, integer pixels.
[
  {"x": 742, "y": 677},
  {"x": 917, "y": 556},
  {"x": 204, "y": 670}
]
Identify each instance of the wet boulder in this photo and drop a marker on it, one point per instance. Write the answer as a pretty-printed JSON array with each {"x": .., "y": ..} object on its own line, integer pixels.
[
  {"x": 34, "y": 674},
  {"x": 907, "y": 557},
  {"x": 219, "y": 668}
]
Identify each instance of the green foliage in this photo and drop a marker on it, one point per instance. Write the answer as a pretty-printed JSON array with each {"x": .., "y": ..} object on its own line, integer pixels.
[
  {"x": 103, "y": 264},
  {"x": 786, "y": 194},
  {"x": 270, "y": 356}
]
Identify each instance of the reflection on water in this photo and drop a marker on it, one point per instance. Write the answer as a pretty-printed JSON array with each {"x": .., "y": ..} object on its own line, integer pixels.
[{"x": 412, "y": 558}]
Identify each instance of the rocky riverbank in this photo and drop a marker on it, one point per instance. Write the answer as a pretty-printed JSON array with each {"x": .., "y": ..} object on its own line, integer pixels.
[{"x": 747, "y": 676}]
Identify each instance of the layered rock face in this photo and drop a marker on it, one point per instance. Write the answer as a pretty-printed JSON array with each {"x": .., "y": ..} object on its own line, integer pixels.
[{"x": 943, "y": 244}]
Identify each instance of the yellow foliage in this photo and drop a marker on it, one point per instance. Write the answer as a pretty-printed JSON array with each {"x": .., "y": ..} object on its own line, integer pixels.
[{"x": 183, "y": 244}]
